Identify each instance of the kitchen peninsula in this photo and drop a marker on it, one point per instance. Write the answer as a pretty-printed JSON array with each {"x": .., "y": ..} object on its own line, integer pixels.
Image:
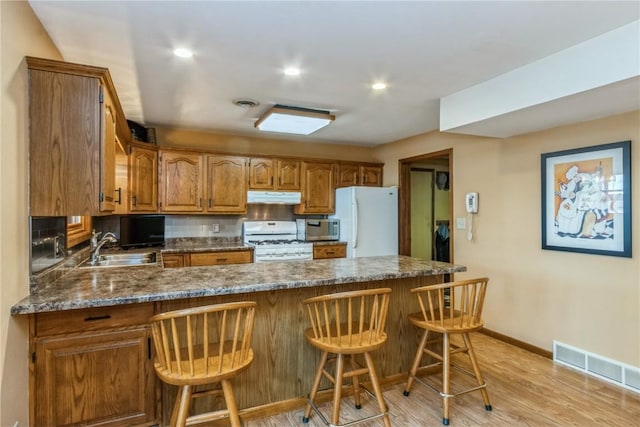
[{"x": 282, "y": 372}]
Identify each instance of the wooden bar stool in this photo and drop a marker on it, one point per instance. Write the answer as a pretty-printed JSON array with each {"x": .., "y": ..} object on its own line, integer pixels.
[
  {"x": 344, "y": 325},
  {"x": 203, "y": 345},
  {"x": 449, "y": 308}
]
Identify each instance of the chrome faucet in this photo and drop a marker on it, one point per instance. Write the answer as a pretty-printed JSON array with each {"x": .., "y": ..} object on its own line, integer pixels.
[{"x": 96, "y": 244}]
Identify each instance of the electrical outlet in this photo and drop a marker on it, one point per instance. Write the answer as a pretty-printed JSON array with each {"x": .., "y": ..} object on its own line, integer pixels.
[
  {"x": 215, "y": 228},
  {"x": 461, "y": 223}
]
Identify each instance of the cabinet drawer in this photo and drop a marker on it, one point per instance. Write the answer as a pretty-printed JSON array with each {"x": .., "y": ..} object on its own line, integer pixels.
[
  {"x": 329, "y": 251},
  {"x": 172, "y": 260},
  {"x": 92, "y": 319},
  {"x": 217, "y": 258}
]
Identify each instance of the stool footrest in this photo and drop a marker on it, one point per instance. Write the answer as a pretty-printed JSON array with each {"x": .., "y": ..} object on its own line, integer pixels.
[
  {"x": 441, "y": 393},
  {"x": 350, "y": 423}
]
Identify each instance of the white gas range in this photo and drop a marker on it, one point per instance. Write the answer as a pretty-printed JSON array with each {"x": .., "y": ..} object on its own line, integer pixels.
[{"x": 275, "y": 241}]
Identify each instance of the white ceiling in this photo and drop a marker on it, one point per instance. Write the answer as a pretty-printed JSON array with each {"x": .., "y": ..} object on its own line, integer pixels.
[{"x": 423, "y": 50}]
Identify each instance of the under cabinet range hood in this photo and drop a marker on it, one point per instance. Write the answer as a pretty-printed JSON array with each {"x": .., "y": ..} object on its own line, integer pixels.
[{"x": 274, "y": 197}]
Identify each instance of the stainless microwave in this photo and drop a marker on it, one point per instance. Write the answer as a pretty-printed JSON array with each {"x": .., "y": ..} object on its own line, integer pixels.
[{"x": 318, "y": 229}]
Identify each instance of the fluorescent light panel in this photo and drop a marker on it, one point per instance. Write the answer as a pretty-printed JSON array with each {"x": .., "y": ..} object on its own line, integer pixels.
[{"x": 296, "y": 120}]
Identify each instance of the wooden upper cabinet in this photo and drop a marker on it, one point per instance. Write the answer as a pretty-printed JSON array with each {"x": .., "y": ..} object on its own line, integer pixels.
[
  {"x": 75, "y": 117},
  {"x": 371, "y": 176},
  {"x": 287, "y": 174},
  {"x": 349, "y": 174},
  {"x": 143, "y": 179},
  {"x": 261, "y": 174},
  {"x": 181, "y": 180},
  {"x": 108, "y": 154},
  {"x": 274, "y": 174},
  {"x": 318, "y": 195},
  {"x": 226, "y": 184}
]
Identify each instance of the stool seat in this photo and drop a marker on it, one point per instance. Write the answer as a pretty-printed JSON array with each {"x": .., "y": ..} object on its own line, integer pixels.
[
  {"x": 449, "y": 309},
  {"x": 345, "y": 325},
  {"x": 203, "y": 345}
]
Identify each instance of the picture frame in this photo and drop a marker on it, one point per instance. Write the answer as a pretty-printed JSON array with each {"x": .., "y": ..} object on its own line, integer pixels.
[
  {"x": 586, "y": 200},
  {"x": 442, "y": 180}
]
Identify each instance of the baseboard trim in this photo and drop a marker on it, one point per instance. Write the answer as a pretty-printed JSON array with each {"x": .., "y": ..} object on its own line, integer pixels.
[{"x": 517, "y": 343}]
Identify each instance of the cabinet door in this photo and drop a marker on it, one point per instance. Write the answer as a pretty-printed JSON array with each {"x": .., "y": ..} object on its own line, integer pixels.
[
  {"x": 261, "y": 174},
  {"x": 371, "y": 176},
  {"x": 318, "y": 196},
  {"x": 288, "y": 173},
  {"x": 143, "y": 179},
  {"x": 107, "y": 154},
  {"x": 226, "y": 184},
  {"x": 181, "y": 181},
  {"x": 348, "y": 175},
  {"x": 64, "y": 144},
  {"x": 99, "y": 378}
]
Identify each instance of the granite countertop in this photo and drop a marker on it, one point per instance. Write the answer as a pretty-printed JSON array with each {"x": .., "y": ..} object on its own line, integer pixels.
[
  {"x": 179, "y": 245},
  {"x": 98, "y": 287},
  {"x": 328, "y": 242}
]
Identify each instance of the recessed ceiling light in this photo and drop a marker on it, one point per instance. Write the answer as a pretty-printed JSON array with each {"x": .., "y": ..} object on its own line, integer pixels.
[
  {"x": 292, "y": 71},
  {"x": 378, "y": 86},
  {"x": 183, "y": 53}
]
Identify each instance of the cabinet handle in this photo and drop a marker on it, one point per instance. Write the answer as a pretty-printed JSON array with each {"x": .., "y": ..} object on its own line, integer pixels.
[
  {"x": 330, "y": 252},
  {"x": 149, "y": 348},
  {"x": 280, "y": 182},
  {"x": 221, "y": 259},
  {"x": 271, "y": 181},
  {"x": 200, "y": 202},
  {"x": 209, "y": 202},
  {"x": 134, "y": 199},
  {"x": 119, "y": 191},
  {"x": 92, "y": 318}
]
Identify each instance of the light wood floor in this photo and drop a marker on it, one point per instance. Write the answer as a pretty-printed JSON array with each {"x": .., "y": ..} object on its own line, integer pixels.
[{"x": 525, "y": 390}]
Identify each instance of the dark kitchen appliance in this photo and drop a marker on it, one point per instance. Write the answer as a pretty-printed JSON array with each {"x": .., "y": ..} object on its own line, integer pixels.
[{"x": 141, "y": 230}]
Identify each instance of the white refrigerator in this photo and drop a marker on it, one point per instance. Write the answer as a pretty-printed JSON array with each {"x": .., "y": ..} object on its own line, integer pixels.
[{"x": 368, "y": 220}]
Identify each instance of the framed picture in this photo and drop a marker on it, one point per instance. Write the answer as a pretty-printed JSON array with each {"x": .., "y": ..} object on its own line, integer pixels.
[
  {"x": 586, "y": 200},
  {"x": 442, "y": 180}
]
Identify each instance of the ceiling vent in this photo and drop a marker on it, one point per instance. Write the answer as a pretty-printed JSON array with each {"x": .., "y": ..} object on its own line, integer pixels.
[{"x": 246, "y": 103}]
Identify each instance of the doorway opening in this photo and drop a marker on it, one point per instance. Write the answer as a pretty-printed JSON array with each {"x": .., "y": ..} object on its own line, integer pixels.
[{"x": 426, "y": 206}]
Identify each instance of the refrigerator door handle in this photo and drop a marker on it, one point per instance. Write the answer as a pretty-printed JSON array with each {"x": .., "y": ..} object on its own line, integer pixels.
[{"x": 355, "y": 223}]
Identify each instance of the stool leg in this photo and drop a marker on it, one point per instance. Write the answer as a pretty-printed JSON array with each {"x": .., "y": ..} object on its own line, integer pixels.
[
  {"x": 446, "y": 373},
  {"x": 316, "y": 385},
  {"x": 173, "y": 421},
  {"x": 476, "y": 370},
  {"x": 356, "y": 383},
  {"x": 416, "y": 362},
  {"x": 376, "y": 387},
  {"x": 185, "y": 401},
  {"x": 230, "y": 400},
  {"x": 337, "y": 390}
]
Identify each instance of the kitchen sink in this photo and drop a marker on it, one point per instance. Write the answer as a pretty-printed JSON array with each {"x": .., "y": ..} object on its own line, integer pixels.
[{"x": 122, "y": 260}]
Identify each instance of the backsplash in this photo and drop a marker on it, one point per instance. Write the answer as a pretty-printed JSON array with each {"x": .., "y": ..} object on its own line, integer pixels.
[
  {"x": 48, "y": 241},
  {"x": 229, "y": 225}
]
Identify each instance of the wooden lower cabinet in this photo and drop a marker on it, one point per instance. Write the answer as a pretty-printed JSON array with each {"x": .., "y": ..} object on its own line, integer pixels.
[
  {"x": 198, "y": 259},
  {"x": 93, "y": 367},
  {"x": 330, "y": 251}
]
